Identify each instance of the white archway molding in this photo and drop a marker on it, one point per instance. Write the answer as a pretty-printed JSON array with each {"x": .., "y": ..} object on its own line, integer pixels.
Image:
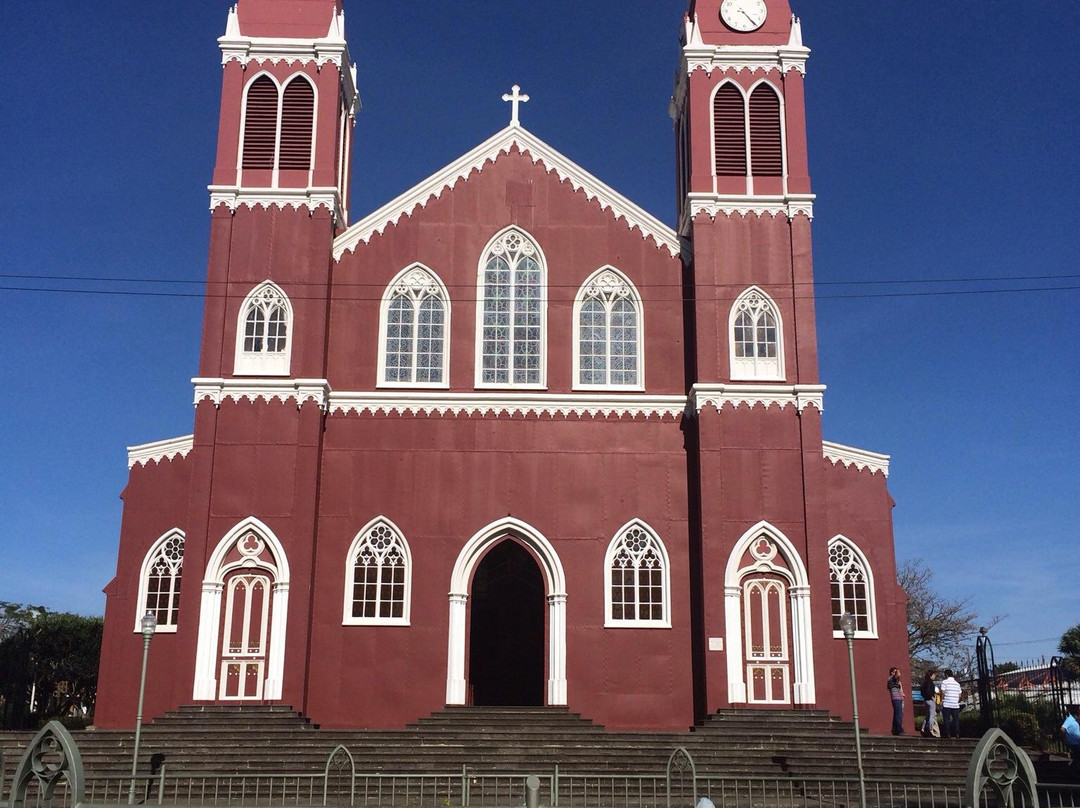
[
  {"x": 799, "y": 595},
  {"x": 555, "y": 579},
  {"x": 213, "y": 586}
]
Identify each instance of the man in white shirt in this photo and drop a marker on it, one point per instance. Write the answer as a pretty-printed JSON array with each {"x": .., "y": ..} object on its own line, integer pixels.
[{"x": 950, "y": 705}]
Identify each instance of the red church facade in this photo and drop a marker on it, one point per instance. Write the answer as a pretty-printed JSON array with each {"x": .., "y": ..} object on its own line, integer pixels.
[{"x": 509, "y": 439}]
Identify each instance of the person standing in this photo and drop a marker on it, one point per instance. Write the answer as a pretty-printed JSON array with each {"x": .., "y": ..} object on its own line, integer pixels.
[
  {"x": 1071, "y": 728},
  {"x": 896, "y": 694},
  {"x": 950, "y": 704},
  {"x": 929, "y": 696}
]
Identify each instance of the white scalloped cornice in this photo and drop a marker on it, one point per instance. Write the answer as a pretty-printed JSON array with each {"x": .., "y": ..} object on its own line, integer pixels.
[
  {"x": 789, "y": 205},
  {"x": 159, "y": 450},
  {"x": 298, "y": 390},
  {"x": 332, "y": 48},
  {"x": 489, "y": 151},
  {"x": 310, "y": 198},
  {"x": 799, "y": 396},
  {"x": 508, "y": 404},
  {"x": 849, "y": 456}
]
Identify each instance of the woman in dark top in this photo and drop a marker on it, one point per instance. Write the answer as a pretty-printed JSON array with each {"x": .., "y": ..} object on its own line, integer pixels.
[
  {"x": 896, "y": 694},
  {"x": 929, "y": 695}
]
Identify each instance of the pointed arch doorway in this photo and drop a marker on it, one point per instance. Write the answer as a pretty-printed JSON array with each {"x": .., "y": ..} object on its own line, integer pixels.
[
  {"x": 505, "y": 555},
  {"x": 506, "y": 629}
]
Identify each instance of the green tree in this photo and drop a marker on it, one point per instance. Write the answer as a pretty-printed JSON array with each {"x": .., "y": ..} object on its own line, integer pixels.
[
  {"x": 14, "y": 616},
  {"x": 1069, "y": 647},
  {"x": 48, "y": 668}
]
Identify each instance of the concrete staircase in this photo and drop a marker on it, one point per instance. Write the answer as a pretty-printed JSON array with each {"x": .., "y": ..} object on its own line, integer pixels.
[{"x": 210, "y": 740}]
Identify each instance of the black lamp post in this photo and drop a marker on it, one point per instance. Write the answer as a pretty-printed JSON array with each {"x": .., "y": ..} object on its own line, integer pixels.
[
  {"x": 149, "y": 625},
  {"x": 847, "y": 625}
]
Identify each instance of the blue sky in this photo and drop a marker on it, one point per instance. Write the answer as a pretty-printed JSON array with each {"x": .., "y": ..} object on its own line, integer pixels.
[{"x": 942, "y": 147}]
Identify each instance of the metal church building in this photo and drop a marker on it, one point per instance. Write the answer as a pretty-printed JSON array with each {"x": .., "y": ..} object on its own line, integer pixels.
[{"x": 470, "y": 448}]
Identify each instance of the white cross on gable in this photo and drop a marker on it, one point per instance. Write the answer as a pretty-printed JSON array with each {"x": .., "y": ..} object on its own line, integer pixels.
[{"x": 515, "y": 99}]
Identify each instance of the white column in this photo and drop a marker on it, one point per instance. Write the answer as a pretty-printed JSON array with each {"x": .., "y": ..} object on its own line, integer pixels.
[
  {"x": 733, "y": 623},
  {"x": 455, "y": 652},
  {"x": 206, "y": 654},
  {"x": 556, "y": 648},
  {"x": 804, "y": 645},
  {"x": 275, "y": 673}
]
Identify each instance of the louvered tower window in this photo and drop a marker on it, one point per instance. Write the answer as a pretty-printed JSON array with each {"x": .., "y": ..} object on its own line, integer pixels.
[
  {"x": 297, "y": 118},
  {"x": 260, "y": 124},
  {"x": 766, "y": 145},
  {"x": 729, "y": 132}
]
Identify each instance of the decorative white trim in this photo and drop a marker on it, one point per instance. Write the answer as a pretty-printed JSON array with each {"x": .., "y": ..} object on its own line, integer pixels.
[
  {"x": 263, "y": 362},
  {"x": 864, "y": 562},
  {"x": 789, "y": 205},
  {"x": 347, "y": 618},
  {"x": 744, "y": 368},
  {"x": 233, "y": 197},
  {"x": 298, "y": 390},
  {"x": 607, "y": 277},
  {"x": 207, "y": 650},
  {"x": 330, "y": 49},
  {"x": 800, "y": 396},
  {"x": 507, "y": 404},
  {"x": 144, "y": 580},
  {"x": 467, "y": 560},
  {"x": 861, "y": 459},
  {"x": 489, "y": 151},
  {"x": 614, "y": 545},
  {"x": 412, "y": 277},
  {"x": 499, "y": 244},
  {"x": 799, "y": 596},
  {"x": 155, "y": 452}
]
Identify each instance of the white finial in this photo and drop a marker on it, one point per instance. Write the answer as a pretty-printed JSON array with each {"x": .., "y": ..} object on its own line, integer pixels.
[{"x": 515, "y": 99}]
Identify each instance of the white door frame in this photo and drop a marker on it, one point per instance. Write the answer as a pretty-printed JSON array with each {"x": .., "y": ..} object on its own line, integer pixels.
[
  {"x": 799, "y": 596},
  {"x": 253, "y": 557},
  {"x": 555, "y": 579}
]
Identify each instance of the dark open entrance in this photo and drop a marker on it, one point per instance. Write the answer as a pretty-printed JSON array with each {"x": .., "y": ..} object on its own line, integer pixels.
[{"x": 506, "y": 643}]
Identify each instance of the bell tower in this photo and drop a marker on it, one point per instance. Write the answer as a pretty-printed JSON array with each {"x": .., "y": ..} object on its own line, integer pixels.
[{"x": 744, "y": 211}]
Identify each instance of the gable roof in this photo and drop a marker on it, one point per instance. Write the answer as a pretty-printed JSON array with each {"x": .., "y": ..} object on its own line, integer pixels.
[{"x": 499, "y": 143}]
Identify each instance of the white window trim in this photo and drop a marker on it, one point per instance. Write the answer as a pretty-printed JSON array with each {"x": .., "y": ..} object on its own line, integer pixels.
[
  {"x": 783, "y": 137},
  {"x": 860, "y": 557},
  {"x": 609, "y": 557},
  {"x": 746, "y": 93},
  {"x": 633, "y": 297},
  {"x": 479, "y": 349},
  {"x": 263, "y": 363},
  {"x": 144, "y": 581},
  {"x": 389, "y": 294},
  {"x": 347, "y": 618},
  {"x": 275, "y": 172},
  {"x": 735, "y": 364}
]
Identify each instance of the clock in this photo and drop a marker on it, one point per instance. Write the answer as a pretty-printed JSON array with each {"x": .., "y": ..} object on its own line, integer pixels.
[{"x": 743, "y": 15}]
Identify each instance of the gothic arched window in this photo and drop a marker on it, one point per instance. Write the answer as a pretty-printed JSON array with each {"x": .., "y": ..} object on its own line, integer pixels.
[
  {"x": 729, "y": 131},
  {"x": 766, "y": 142},
  {"x": 262, "y": 333},
  {"x": 378, "y": 576},
  {"x": 415, "y": 319},
  {"x": 608, "y": 332},
  {"x": 638, "y": 579},
  {"x": 159, "y": 582},
  {"x": 278, "y": 126},
  {"x": 512, "y": 317},
  {"x": 757, "y": 338},
  {"x": 852, "y": 587}
]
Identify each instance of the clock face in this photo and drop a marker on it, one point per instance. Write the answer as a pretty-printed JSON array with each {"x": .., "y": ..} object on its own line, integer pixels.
[{"x": 743, "y": 15}]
